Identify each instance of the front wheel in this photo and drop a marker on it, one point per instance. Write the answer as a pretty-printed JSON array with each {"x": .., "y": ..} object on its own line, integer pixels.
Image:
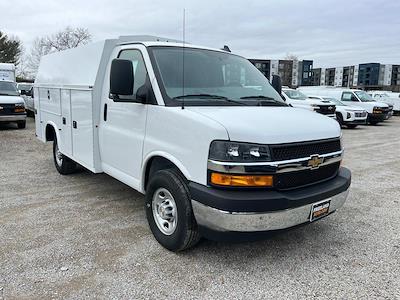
[
  {"x": 21, "y": 124},
  {"x": 351, "y": 126},
  {"x": 64, "y": 165},
  {"x": 169, "y": 211}
]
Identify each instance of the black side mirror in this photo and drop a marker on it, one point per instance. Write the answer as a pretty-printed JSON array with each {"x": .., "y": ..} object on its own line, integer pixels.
[
  {"x": 28, "y": 93},
  {"x": 23, "y": 92},
  {"x": 121, "y": 79},
  {"x": 277, "y": 83}
]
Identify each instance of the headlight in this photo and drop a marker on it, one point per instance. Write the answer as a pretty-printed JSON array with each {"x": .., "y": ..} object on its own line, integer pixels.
[
  {"x": 348, "y": 115},
  {"x": 238, "y": 152},
  {"x": 19, "y": 107}
]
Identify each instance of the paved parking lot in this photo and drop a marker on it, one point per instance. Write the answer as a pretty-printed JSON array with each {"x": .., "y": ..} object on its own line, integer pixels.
[{"x": 86, "y": 236}]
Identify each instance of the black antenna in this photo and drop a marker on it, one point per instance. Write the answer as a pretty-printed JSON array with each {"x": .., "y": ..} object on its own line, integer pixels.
[{"x": 183, "y": 60}]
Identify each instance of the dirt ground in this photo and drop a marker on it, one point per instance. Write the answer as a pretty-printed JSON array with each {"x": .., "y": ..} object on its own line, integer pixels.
[{"x": 86, "y": 235}]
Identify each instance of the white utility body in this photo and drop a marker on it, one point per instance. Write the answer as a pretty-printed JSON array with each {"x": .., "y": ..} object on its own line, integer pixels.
[
  {"x": 199, "y": 131},
  {"x": 377, "y": 111},
  {"x": 7, "y": 72}
]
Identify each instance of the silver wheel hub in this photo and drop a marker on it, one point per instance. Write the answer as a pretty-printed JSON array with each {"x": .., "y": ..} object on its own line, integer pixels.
[
  {"x": 59, "y": 156},
  {"x": 164, "y": 211}
]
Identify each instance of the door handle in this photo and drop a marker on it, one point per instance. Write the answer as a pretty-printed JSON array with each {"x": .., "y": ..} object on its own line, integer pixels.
[
  {"x": 74, "y": 124},
  {"x": 105, "y": 112},
  {"x": 64, "y": 120}
]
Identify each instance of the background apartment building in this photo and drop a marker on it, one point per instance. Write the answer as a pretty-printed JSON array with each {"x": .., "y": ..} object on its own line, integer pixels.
[
  {"x": 365, "y": 76},
  {"x": 292, "y": 72}
]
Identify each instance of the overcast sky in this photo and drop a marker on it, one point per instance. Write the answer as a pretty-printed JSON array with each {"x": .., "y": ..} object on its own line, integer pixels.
[{"x": 331, "y": 32}]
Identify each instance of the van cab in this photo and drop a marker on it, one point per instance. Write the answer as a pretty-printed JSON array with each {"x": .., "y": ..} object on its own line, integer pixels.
[
  {"x": 199, "y": 131},
  {"x": 297, "y": 99},
  {"x": 12, "y": 107},
  {"x": 377, "y": 111}
]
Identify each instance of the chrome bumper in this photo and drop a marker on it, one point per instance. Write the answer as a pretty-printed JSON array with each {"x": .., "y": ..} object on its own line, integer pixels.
[
  {"x": 219, "y": 220},
  {"x": 13, "y": 118}
]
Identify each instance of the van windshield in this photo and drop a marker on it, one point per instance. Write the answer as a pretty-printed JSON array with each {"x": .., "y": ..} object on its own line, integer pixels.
[
  {"x": 363, "y": 96},
  {"x": 295, "y": 95},
  {"x": 8, "y": 89},
  {"x": 210, "y": 78}
]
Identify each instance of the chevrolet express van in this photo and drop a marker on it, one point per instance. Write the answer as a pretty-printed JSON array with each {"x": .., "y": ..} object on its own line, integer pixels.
[{"x": 200, "y": 131}]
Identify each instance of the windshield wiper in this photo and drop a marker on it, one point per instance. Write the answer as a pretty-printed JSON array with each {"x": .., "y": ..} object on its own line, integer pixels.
[
  {"x": 209, "y": 96},
  {"x": 265, "y": 99}
]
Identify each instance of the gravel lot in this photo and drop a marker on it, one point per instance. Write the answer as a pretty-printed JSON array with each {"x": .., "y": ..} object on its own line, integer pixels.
[{"x": 86, "y": 235}]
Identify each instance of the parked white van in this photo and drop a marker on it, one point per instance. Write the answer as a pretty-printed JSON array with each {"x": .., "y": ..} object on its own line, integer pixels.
[
  {"x": 388, "y": 98},
  {"x": 199, "y": 131},
  {"x": 377, "y": 111},
  {"x": 349, "y": 116},
  {"x": 297, "y": 99}
]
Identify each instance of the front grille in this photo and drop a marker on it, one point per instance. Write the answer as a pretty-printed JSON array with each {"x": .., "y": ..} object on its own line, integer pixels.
[
  {"x": 298, "y": 179},
  {"x": 326, "y": 109},
  {"x": 304, "y": 149},
  {"x": 7, "y": 109},
  {"x": 361, "y": 114}
]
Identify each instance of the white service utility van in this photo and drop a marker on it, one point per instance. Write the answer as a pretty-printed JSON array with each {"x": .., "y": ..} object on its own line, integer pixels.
[
  {"x": 7, "y": 72},
  {"x": 388, "y": 98},
  {"x": 297, "y": 99},
  {"x": 377, "y": 111},
  {"x": 349, "y": 116},
  {"x": 199, "y": 131}
]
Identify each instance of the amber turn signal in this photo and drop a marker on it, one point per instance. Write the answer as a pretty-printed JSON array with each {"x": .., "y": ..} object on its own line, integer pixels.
[{"x": 242, "y": 180}]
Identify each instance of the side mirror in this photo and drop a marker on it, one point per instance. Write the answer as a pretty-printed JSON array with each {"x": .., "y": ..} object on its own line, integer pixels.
[
  {"x": 277, "y": 83},
  {"x": 23, "y": 92},
  {"x": 121, "y": 79},
  {"x": 28, "y": 93}
]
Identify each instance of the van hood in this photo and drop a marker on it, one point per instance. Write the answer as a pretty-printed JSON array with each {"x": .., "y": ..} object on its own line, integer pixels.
[
  {"x": 271, "y": 125},
  {"x": 10, "y": 99}
]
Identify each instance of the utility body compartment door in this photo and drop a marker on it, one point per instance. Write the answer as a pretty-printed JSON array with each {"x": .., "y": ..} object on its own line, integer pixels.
[
  {"x": 82, "y": 127},
  {"x": 66, "y": 128}
]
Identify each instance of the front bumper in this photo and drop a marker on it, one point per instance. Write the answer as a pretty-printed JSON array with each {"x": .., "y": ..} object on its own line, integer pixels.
[
  {"x": 377, "y": 117},
  {"x": 356, "y": 122},
  {"x": 13, "y": 118},
  {"x": 256, "y": 211}
]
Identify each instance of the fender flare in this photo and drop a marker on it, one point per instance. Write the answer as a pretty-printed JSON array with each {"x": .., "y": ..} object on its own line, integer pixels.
[{"x": 167, "y": 156}]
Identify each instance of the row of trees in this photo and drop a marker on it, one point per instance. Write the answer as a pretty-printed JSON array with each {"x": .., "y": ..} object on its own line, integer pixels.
[{"x": 27, "y": 63}]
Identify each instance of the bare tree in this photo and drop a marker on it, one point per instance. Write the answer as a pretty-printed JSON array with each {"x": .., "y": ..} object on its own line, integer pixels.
[
  {"x": 68, "y": 38},
  {"x": 291, "y": 56},
  {"x": 62, "y": 40}
]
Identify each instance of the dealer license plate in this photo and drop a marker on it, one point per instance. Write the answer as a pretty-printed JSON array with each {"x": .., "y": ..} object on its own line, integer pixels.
[{"x": 319, "y": 210}]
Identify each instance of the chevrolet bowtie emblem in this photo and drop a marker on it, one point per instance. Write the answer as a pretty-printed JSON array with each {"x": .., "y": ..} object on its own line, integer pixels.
[{"x": 315, "y": 161}]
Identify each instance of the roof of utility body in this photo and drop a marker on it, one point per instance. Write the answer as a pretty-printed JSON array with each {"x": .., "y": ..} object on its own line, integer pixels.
[
  {"x": 85, "y": 65},
  {"x": 7, "y": 66}
]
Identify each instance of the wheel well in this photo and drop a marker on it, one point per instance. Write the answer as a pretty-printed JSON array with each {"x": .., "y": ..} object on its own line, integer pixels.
[
  {"x": 158, "y": 163},
  {"x": 50, "y": 133}
]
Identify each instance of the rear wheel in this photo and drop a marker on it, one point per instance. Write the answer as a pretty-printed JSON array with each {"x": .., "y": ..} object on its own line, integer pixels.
[
  {"x": 64, "y": 165},
  {"x": 21, "y": 124},
  {"x": 169, "y": 211}
]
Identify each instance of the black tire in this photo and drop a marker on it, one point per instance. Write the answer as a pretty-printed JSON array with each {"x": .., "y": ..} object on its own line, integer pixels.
[
  {"x": 64, "y": 165},
  {"x": 351, "y": 126},
  {"x": 339, "y": 118},
  {"x": 21, "y": 124},
  {"x": 186, "y": 233}
]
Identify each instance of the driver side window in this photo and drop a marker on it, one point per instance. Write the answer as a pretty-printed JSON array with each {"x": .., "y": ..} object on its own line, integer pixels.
[
  {"x": 348, "y": 96},
  {"x": 139, "y": 68}
]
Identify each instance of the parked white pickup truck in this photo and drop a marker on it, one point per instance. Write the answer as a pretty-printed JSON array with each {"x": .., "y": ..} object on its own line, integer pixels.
[
  {"x": 377, "y": 111},
  {"x": 297, "y": 99},
  {"x": 199, "y": 131},
  {"x": 388, "y": 98}
]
